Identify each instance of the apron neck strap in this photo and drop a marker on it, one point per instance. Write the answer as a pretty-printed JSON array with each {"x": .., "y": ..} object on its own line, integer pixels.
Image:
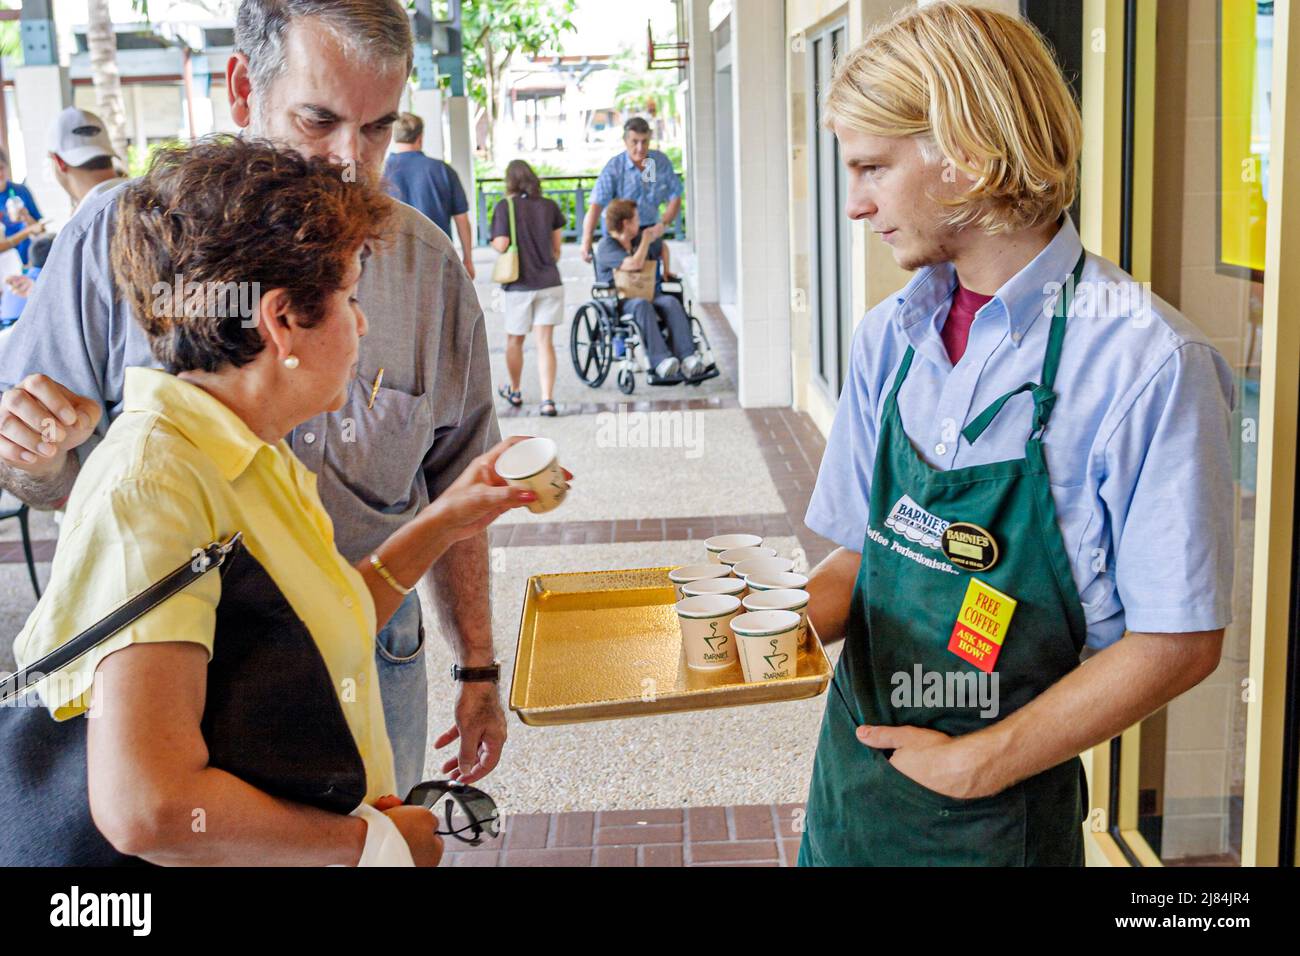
[
  {"x": 1044, "y": 396},
  {"x": 901, "y": 374}
]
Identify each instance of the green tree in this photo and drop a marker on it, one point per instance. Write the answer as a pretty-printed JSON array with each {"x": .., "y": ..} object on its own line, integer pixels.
[
  {"x": 11, "y": 44},
  {"x": 494, "y": 32}
]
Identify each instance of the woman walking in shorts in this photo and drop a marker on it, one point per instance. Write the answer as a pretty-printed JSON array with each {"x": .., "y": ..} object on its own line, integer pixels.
[{"x": 535, "y": 301}]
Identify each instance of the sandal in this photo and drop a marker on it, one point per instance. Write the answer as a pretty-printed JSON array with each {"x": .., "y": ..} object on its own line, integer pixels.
[
  {"x": 547, "y": 408},
  {"x": 514, "y": 398}
]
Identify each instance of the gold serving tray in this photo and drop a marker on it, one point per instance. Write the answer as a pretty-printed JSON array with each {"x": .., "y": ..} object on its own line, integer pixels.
[{"x": 601, "y": 645}]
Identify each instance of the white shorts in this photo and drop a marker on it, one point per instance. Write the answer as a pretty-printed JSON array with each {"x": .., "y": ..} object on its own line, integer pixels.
[{"x": 532, "y": 307}]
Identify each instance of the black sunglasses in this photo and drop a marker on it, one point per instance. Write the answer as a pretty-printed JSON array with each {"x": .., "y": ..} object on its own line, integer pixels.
[{"x": 476, "y": 806}]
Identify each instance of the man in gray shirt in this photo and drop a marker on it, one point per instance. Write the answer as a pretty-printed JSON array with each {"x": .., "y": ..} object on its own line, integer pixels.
[{"x": 324, "y": 77}]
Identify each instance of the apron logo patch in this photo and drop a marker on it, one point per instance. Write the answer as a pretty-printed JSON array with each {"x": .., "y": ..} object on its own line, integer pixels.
[
  {"x": 969, "y": 546},
  {"x": 982, "y": 624},
  {"x": 915, "y": 523}
]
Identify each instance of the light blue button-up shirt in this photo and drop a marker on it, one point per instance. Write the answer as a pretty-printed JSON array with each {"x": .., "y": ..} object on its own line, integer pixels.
[
  {"x": 649, "y": 188},
  {"x": 1138, "y": 448}
]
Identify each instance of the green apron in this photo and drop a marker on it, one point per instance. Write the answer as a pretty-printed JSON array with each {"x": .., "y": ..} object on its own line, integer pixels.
[{"x": 862, "y": 811}]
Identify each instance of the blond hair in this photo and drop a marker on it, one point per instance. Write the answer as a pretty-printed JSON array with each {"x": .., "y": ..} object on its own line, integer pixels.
[{"x": 983, "y": 88}]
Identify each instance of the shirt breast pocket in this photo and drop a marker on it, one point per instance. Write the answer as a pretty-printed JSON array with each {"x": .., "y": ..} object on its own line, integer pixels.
[{"x": 377, "y": 452}]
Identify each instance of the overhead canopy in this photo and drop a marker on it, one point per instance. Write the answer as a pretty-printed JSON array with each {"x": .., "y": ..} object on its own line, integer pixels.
[{"x": 538, "y": 86}]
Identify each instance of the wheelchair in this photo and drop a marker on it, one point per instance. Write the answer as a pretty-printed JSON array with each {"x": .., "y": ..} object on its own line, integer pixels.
[{"x": 604, "y": 335}]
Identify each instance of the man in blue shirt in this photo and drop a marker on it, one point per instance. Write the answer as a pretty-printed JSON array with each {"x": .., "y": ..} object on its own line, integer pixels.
[
  {"x": 428, "y": 184},
  {"x": 644, "y": 175},
  {"x": 18, "y": 210},
  {"x": 1058, "y": 482}
]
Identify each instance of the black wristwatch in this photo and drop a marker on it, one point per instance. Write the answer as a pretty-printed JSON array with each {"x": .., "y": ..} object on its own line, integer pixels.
[{"x": 490, "y": 673}]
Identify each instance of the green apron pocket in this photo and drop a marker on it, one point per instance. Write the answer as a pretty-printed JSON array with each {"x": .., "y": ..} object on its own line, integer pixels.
[{"x": 929, "y": 828}]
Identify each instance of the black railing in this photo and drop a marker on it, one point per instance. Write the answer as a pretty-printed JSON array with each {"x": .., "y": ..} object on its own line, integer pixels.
[{"x": 572, "y": 200}]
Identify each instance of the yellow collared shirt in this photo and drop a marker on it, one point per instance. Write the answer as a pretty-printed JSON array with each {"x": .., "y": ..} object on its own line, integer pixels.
[{"x": 177, "y": 471}]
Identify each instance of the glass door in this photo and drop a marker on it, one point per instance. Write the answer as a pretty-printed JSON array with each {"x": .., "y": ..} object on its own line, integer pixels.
[{"x": 1202, "y": 217}]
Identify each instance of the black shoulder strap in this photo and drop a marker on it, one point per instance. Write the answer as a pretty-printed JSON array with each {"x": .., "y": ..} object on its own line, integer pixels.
[{"x": 213, "y": 556}]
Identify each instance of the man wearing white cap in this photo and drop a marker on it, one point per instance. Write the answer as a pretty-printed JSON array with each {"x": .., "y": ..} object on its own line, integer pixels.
[{"x": 82, "y": 155}]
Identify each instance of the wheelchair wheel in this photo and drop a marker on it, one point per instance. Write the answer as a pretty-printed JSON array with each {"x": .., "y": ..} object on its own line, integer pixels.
[
  {"x": 591, "y": 345},
  {"x": 626, "y": 381}
]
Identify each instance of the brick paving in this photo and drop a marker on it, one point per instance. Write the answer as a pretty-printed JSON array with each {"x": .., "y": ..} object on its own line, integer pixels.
[{"x": 761, "y": 835}]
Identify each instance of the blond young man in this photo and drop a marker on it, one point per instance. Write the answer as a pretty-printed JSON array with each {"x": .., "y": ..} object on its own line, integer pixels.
[{"x": 1022, "y": 466}]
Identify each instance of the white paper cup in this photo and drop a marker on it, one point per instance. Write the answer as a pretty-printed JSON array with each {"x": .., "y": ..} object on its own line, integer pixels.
[
  {"x": 769, "y": 644},
  {"x": 724, "y": 585},
  {"x": 735, "y": 555},
  {"x": 743, "y": 569},
  {"x": 707, "y": 637},
  {"x": 770, "y": 582},
  {"x": 725, "y": 542},
  {"x": 695, "y": 572},
  {"x": 782, "y": 599},
  {"x": 534, "y": 464}
]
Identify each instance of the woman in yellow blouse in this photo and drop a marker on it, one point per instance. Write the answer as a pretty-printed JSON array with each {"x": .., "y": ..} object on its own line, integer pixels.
[{"x": 197, "y": 455}]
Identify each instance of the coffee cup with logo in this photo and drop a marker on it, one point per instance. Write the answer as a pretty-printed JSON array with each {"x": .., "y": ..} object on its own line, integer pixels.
[
  {"x": 782, "y": 599},
  {"x": 534, "y": 464},
  {"x": 768, "y": 644},
  {"x": 726, "y": 542},
  {"x": 695, "y": 572},
  {"x": 760, "y": 581},
  {"x": 707, "y": 638},
  {"x": 736, "y": 587}
]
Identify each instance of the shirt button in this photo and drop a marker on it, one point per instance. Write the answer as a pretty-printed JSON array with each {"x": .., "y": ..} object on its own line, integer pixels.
[
  {"x": 348, "y": 602},
  {"x": 941, "y": 449},
  {"x": 309, "y": 437},
  {"x": 1015, "y": 336}
]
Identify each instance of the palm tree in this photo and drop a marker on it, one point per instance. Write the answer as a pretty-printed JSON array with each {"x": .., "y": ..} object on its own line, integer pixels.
[
  {"x": 653, "y": 92},
  {"x": 102, "y": 41}
]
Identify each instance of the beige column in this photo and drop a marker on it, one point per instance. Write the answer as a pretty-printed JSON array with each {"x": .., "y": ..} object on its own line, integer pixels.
[{"x": 42, "y": 93}]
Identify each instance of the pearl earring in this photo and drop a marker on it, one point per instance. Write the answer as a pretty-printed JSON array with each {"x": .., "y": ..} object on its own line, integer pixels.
[{"x": 291, "y": 362}]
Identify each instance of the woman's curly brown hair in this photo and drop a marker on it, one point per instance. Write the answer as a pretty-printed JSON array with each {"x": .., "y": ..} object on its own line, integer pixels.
[{"x": 227, "y": 211}]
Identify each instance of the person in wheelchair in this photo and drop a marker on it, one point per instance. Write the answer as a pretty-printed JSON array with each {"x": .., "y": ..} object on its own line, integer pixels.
[{"x": 622, "y": 251}]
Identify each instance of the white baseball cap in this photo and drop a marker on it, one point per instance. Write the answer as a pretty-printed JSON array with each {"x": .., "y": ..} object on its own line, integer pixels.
[{"x": 78, "y": 136}]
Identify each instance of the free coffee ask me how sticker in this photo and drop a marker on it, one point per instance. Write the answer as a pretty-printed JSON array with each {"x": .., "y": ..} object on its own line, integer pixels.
[{"x": 982, "y": 624}]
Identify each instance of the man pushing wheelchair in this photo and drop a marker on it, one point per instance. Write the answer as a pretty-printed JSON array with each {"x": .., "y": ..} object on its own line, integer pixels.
[{"x": 625, "y": 258}]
